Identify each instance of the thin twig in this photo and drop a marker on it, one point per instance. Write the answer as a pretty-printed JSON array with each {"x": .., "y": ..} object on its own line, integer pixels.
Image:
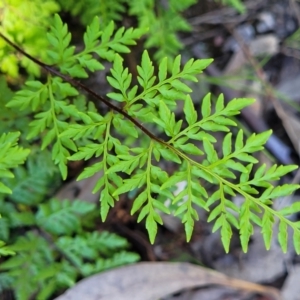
[
  {"x": 226, "y": 14},
  {"x": 295, "y": 9}
]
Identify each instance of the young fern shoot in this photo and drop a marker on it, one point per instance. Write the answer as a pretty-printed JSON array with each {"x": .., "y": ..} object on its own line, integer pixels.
[{"x": 127, "y": 138}]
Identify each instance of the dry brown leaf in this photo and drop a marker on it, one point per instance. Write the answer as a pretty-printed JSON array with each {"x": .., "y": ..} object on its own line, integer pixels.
[
  {"x": 291, "y": 124},
  {"x": 151, "y": 281},
  {"x": 258, "y": 264}
]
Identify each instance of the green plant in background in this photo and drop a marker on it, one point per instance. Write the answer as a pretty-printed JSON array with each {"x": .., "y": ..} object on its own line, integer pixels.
[
  {"x": 24, "y": 22},
  {"x": 11, "y": 155},
  {"x": 164, "y": 21},
  {"x": 59, "y": 246},
  {"x": 11, "y": 121},
  {"x": 130, "y": 155},
  {"x": 58, "y": 250},
  {"x": 87, "y": 10},
  {"x": 162, "y": 18}
]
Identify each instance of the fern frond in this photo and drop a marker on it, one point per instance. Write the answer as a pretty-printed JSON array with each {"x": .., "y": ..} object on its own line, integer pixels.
[
  {"x": 43, "y": 275},
  {"x": 4, "y": 228},
  {"x": 189, "y": 142},
  {"x": 49, "y": 100},
  {"x": 106, "y": 249},
  {"x": 28, "y": 265},
  {"x": 5, "y": 281},
  {"x": 162, "y": 93},
  {"x": 11, "y": 120},
  {"x": 31, "y": 184},
  {"x": 62, "y": 217},
  {"x": 103, "y": 42},
  {"x": 86, "y": 10},
  {"x": 166, "y": 88},
  {"x": 117, "y": 260},
  {"x": 4, "y": 250},
  {"x": 164, "y": 22},
  {"x": 11, "y": 155},
  {"x": 48, "y": 269}
]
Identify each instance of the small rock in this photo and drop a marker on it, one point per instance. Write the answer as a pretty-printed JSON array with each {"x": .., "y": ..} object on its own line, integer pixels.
[
  {"x": 246, "y": 32},
  {"x": 266, "y": 22},
  {"x": 264, "y": 44}
]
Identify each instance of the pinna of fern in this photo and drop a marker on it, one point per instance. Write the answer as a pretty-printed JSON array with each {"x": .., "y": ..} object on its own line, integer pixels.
[
  {"x": 134, "y": 164},
  {"x": 11, "y": 155}
]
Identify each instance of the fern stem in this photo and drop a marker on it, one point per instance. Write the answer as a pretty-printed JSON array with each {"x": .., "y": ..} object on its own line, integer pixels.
[{"x": 223, "y": 181}]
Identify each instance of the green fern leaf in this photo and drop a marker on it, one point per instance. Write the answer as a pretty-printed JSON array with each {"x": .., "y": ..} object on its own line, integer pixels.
[
  {"x": 283, "y": 236},
  {"x": 5, "y": 250},
  {"x": 11, "y": 155},
  {"x": 62, "y": 217},
  {"x": 106, "y": 249}
]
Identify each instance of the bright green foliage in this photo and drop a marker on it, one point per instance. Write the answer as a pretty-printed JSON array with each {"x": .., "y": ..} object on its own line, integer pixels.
[
  {"x": 131, "y": 159},
  {"x": 103, "y": 42},
  {"x": 50, "y": 100},
  {"x": 164, "y": 20},
  {"x": 11, "y": 155},
  {"x": 24, "y": 21},
  {"x": 167, "y": 88},
  {"x": 4, "y": 250},
  {"x": 53, "y": 119}
]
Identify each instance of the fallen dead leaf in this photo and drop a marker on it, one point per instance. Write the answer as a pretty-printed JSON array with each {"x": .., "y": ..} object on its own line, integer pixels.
[
  {"x": 151, "y": 281},
  {"x": 258, "y": 264},
  {"x": 291, "y": 124}
]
